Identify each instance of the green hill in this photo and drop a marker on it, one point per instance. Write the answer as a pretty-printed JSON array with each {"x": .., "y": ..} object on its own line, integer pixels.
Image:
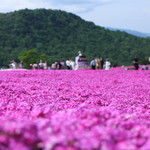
[{"x": 60, "y": 35}]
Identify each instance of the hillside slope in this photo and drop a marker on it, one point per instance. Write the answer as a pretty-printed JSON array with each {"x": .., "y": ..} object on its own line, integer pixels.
[{"x": 61, "y": 35}]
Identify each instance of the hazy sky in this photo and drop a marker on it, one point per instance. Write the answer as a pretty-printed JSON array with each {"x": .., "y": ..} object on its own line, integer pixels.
[{"x": 121, "y": 14}]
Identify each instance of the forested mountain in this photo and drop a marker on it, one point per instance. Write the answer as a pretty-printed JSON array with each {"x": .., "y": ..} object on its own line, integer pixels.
[{"x": 61, "y": 35}]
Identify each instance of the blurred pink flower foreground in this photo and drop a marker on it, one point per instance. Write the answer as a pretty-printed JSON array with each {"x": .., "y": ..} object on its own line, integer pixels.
[{"x": 71, "y": 110}]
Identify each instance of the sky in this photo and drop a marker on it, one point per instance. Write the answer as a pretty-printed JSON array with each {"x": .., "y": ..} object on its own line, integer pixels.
[{"x": 120, "y": 14}]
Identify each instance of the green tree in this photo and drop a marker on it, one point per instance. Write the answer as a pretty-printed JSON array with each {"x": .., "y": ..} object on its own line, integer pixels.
[{"x": 28, "y": 57}]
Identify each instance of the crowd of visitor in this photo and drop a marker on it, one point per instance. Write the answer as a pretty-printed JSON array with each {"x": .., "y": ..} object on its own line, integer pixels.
[
  {"x": 97, "y": 63},
  {"x": 13, "y": 65},
  {"x": 136, "y": 64},
  {"x": 41, "y": 65}
]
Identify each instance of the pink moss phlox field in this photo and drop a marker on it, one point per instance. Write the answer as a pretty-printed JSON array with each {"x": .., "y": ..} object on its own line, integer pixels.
[{"x": 70, "y": 110}]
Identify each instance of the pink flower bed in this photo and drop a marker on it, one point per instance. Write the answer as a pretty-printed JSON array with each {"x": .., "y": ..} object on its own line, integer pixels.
[{"x": 69, "y": 110}]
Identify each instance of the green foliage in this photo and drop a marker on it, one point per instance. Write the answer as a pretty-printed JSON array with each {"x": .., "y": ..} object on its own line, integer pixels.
[
  {"x": 144, "y": 61},
  {"x": 31, "y": 57},
  {"x": 56, "y": 35},
  {"x": 28, "y": 57}
]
